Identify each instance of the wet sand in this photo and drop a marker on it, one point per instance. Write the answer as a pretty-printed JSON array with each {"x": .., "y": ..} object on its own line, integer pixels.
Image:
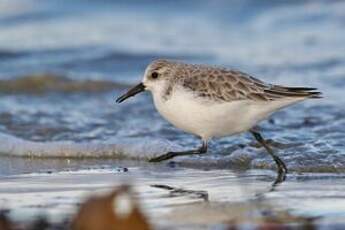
[{"x": 176, "y": 197}]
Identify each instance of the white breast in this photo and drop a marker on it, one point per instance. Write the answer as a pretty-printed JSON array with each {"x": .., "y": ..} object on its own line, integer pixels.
[{"x": 209, "y": 119}]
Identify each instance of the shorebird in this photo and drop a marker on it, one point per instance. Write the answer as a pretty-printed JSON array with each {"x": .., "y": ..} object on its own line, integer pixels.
[{"x": 212, "y": 102}]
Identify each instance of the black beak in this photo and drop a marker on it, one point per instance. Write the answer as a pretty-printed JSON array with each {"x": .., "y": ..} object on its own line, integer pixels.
[{"x": 131, "y": 92}]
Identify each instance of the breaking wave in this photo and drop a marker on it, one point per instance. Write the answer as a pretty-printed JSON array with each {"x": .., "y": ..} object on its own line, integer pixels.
[
  {"x": 133, "y": 148},
  {"x": 142, "y": 149}
]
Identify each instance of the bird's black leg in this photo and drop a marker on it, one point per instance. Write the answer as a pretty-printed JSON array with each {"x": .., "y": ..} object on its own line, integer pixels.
[
  {"x": 169, "y": 155},
  {"x": 282, "y": 170}
]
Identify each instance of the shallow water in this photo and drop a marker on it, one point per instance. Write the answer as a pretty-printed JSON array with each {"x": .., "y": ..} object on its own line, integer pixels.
[{"x": 63, "y": 65}]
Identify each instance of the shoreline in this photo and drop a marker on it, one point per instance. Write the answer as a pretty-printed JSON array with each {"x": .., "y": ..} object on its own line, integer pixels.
[{"x": 299, "y": 198}]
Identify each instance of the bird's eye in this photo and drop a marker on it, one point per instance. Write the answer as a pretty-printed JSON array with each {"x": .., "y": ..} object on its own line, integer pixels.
[{"x": 154, "y": 75}]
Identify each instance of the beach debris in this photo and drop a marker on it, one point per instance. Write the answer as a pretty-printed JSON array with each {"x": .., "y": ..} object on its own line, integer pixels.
[{"x": 118, "y": 210}]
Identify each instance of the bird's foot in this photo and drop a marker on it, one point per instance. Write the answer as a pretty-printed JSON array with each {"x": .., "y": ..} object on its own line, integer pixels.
[{"x": 163, "y": 157}]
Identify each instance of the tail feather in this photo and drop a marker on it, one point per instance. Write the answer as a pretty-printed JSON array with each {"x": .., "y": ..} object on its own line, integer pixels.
[
  {"x": 300, "y": 88},
  {"x": 294, "y": 91}
]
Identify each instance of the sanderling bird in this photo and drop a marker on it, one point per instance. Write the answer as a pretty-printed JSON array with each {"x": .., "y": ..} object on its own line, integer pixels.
[{"x": 213, "y": 102}]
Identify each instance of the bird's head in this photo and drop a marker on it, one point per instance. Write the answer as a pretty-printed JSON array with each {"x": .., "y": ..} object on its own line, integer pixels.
[{"x": 156, "y": 76}]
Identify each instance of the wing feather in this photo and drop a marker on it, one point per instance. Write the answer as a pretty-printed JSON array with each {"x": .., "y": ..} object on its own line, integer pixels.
[{"x": 230, "y": 85}]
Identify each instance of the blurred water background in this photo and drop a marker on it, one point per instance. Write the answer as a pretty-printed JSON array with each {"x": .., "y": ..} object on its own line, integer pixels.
[{"x": 63, "y": 63}]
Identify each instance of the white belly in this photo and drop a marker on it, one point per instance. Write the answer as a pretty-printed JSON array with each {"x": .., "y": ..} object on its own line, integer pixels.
[{"x": 207, "y": 119}]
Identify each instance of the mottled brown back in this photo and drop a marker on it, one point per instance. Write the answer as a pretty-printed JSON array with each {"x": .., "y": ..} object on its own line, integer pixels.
[{"x": 227, "y": 85}]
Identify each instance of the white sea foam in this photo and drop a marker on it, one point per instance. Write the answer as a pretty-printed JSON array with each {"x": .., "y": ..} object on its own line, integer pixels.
[{"x": 127, "y": 148}]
